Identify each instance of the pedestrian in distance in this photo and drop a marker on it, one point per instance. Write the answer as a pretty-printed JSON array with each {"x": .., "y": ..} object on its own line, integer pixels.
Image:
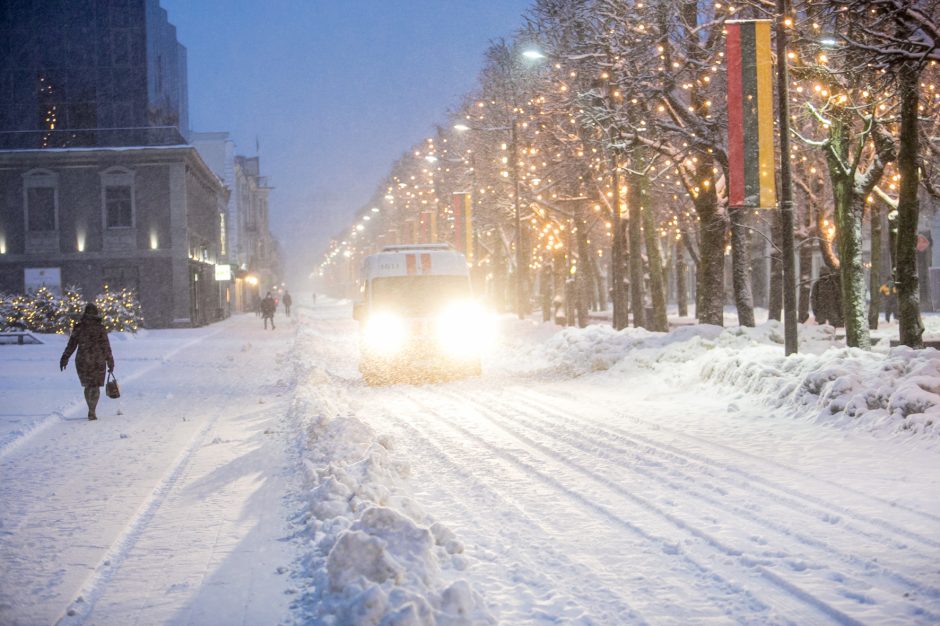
[
  {"x": 90, "y": 338},
  {"x": 268, "y": 306},
  {"x": 314, "y": 298},
  {"x": 287, "y": 302},
  {"x": 826, "y": 298},
  {"x": 890, "y": 299}
]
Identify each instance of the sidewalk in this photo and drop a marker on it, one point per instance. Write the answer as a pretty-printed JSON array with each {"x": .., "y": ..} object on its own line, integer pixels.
[{"x": 173, "y": 506}]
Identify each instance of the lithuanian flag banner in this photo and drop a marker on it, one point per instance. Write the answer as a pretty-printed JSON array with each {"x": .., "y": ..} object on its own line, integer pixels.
[
  {"x": 750, "y": 115},
  {"x": 463, "y": 231}
]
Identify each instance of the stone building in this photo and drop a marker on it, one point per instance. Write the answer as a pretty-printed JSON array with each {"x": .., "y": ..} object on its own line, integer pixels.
[
  {"x": 97, "y": 183},
  {"x": 249, "y": 247},
  {"x": 147, "y": 218}
]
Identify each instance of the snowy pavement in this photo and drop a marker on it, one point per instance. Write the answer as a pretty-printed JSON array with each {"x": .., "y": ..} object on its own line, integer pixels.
[
  {"x": 588, "y": 477},
  {"x": 173, "y": 507},
  {"x": 637, "y": 495}
]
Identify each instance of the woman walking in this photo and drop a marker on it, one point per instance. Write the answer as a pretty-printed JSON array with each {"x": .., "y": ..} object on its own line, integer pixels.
[{"x": 94, "y": 353}]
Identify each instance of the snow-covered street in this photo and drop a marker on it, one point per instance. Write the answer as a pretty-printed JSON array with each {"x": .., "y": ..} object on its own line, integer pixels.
[
  {"x": 640, "y": 497},
  {"x": 588, "y": 477}
]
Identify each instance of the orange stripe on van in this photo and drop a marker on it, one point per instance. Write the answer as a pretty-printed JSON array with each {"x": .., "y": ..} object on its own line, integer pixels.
[
  {"x": 410, "y": 264},
  {"x": 425, "y": 263}
]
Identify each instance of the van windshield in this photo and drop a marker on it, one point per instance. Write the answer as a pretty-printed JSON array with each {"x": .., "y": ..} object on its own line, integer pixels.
[{"x": 418, "y": 295}]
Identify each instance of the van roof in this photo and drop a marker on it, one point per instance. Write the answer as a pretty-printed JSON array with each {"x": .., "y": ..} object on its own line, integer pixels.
[
  {"x": 419, "y": 247},
  {"x": 421, "y": 259}
]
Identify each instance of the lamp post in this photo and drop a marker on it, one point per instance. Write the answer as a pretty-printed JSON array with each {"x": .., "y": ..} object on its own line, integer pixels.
[{"x": 786, "y": 191}]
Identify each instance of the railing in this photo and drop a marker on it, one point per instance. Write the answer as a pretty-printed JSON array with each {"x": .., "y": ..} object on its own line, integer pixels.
[{"x": 91, "y": 138}]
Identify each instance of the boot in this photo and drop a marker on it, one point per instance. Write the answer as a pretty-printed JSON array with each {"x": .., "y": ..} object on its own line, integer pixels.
[{"x": 91, "y": 399}]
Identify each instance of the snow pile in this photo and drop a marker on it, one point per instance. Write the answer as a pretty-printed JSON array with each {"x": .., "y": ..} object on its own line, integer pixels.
[
  {"x": 377, "y": 557},
  {"x": 595, "y": 348},
  {"x": 886, "y": 393}
]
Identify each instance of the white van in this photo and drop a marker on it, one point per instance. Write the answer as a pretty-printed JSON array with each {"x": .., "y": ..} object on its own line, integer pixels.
[{"x": 417, "y": 316}]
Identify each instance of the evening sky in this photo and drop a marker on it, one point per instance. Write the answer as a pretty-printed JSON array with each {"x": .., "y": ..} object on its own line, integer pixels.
[{"x": 333, "y": 92}]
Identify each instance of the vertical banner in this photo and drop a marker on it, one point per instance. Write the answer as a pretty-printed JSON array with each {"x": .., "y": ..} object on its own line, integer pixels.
[
  {"x": 427, "y": 231},
  {"x": 463, "y": 224},
  {"x": 751, "y": 180}
]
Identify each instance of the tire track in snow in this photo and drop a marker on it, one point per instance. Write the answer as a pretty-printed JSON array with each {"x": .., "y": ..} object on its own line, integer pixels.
[
  {"x": 779, "y": 493},
  {"x": 550, "y": 402},
  {"x": 572, "y": 575},
  {"x": 552, "y": 398},
  {"x": 800, "y": 607},
  {"x": 110, "y": 563},
  {"x": 95, "y": 583},
  {"x": 902, "y": 584},
  {"x": 795, "y": 602}
]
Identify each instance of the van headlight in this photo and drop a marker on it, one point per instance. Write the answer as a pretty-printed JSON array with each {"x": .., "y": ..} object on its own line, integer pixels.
[
  {"x": 464, "y": 329},
  {"x": 385, "y": 333}
]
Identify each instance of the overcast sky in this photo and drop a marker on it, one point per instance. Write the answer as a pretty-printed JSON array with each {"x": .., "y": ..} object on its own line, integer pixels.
[{"x": 333, "y": 90}]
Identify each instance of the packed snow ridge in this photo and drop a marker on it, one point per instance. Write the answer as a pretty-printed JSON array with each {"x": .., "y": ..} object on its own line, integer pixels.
[
  {"x": 377, "y": 557},
  {"x": 892, "y": 393}
]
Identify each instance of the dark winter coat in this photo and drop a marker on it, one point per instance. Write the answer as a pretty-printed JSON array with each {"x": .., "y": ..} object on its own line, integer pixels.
[
  {"x": 288, "y": 300},
  {"x": 826, "y": 299},
  {"x": 94, "y": 351},
  {"x": 267, "y": 306}
]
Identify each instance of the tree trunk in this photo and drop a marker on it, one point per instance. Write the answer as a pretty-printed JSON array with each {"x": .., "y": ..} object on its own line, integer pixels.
[
  {"x": 682, "y": 295},
  {"x": 634, "y": 209},
  {"x": 775, "y": 303},
  {"x": 618, "y": 252},
  {"x": 874, "y": 280},
  {"x": 582, "y": 274},
  {"x": 911, "y": 328},
  {"x": 806, "y": 279},
  {"x": 654, "y": 257},
  {"x": 599, "y": 285},
  {"x": 546, "y": 292},
  {"x": 711, "y": 266},
  {"x": 741, "y": 266},
  {"x": 848, "y": 215}
]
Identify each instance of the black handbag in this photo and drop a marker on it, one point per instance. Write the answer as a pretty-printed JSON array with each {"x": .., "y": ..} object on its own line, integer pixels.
[{"x": 111, "y": 388}]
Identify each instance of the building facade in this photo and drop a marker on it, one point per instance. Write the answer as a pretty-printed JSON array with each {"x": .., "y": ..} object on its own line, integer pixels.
[
  {"x": 145, "y": 218},
  {"x": 249, "y": 247},
  {"x": 97, "y": 183}
]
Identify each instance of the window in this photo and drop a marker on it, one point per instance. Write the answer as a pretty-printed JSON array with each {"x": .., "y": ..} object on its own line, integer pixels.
[
  {"x": 40, "y": 199},
  {"x": 117, "y": 207},
  {"x": 117, "y": 198},
  {"x": 40, "y": 206}
]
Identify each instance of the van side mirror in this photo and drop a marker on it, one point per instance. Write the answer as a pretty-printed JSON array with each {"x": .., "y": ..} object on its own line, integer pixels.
[{"x": 359, "y": 311}]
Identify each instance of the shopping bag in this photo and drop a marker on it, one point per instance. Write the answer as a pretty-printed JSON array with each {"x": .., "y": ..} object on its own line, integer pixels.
[{"x": 111, "y": 387}]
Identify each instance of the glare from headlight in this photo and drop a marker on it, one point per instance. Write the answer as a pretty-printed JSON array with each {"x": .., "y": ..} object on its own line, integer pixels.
[
  {"x": 464, "y": 329},
  {"x": 385, "y": 333}
]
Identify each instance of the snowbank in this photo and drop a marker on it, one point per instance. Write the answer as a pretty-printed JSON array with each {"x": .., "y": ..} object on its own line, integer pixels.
[
  {"x": 892, "y": 393},
  {"x": 378, "y": 559}
]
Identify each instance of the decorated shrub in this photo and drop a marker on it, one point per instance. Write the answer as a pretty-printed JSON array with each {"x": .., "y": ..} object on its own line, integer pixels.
[{"x": 45, "y": 312}]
